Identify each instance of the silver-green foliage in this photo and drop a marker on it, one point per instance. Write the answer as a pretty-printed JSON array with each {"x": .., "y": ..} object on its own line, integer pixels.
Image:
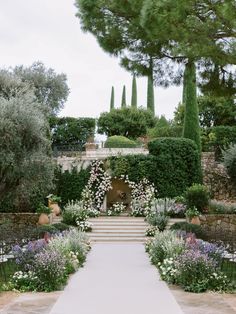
[
  {"x": 26, "y": 169},
  {"x": 230, "y": 162}
]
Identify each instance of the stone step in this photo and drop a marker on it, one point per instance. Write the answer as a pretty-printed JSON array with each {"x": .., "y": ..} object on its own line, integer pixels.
[
  {"x": 118, "y": 240},
  {"x": 138, "y": 228},
  {"x": 111, "y": 232}
]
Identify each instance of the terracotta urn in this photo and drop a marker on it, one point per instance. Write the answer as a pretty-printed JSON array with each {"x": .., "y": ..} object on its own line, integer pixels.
[
  {"x": 43, "y": 219},
  {"x": 56, "y": 210},
  {"x": 195, "y": 220}
]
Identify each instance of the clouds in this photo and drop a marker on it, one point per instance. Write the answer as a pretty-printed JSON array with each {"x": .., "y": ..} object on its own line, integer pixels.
[{"x": 47, "y": 30}]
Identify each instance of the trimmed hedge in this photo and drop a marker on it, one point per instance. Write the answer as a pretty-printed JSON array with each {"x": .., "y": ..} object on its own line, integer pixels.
[
  {"x": 119, "y": 142},
  {"x": 172, "y": 165},
  {"x": 70, "y": 184}
]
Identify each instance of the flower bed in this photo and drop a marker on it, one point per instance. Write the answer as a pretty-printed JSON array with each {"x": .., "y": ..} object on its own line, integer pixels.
[
  {"x": 45, "y": 264},
  {"x": 194, "y": 264}
]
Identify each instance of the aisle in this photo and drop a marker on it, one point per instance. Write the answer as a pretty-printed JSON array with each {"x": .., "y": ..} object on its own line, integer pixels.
[{"x": 116, "y": 279}]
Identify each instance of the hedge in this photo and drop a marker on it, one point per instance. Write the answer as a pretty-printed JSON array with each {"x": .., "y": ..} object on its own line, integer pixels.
[
  {"x": 119, "y": 142},
  {"x": 70, "y": 184},
  {"x": 172, "y": 165}
]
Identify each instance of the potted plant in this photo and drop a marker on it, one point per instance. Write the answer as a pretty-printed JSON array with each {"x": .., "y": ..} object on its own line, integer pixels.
[
  {"x": 44, "y": 211},
  {"x": 192, "y": 215},
  {"x": 53, "y": 201}
]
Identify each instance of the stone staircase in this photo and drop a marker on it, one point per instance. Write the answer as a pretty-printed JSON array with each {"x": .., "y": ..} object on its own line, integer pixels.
[{"x": 118, "y": 229}]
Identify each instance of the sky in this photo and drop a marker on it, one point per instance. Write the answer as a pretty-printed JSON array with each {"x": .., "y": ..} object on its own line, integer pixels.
[{"x": 48, "y": 31}]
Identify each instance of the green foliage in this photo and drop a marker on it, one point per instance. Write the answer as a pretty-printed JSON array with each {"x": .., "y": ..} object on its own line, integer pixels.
[
  {"x": 71, "y": 131},
  {"x": 230, "y": 162},
  {"x": 165, "y": 245},
  {"x": 191, "y": 120},
  {"x": 50, "y": 89},
  {"x": 197, "y": 196},
  {"x": 26, "y": 166},
  {"x": 74, "y": 212},
  {"x": 123, "y": 100},
  {"x": 192, "y": 212},
  {"x": 129, "y": 122},
  {"x": 218, "y": 138},
  {"x": 112, "y": 102},
  {"x": 70, "y": 184},
  {"x": 172, "y": 165},
  {"x": 134, "y": 93},
  {"x": 221, "y": 207},
  {"x": 60, "y": 226},
  {"x": 158, "y": 219},
  {"x": 165, "y": 128},
  {"x": 42, "y": 209},
  {"x": 40, "y": 231},
  {"x": 119, "y": 141},
  {"x": 189, "y": 228}
]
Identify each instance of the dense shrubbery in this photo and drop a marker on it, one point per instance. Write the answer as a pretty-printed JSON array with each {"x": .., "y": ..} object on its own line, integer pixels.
[
  {"x": 172, "y": 165},
  {"x": 220, "y": 207},
  {"x": 45, "y": 265},
  {"x": 70, "y": 184},
  {"x": 119, "y": 141},
  {"x": 71, "y": 131},
  {"x": 191, "y": 263},
  {"x": 129, "y": 122},
  {"x": 218, "y": 139},
  {"x": 197, "y": 196}
]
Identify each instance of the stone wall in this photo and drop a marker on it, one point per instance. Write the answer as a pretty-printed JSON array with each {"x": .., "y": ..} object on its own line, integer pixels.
[
  {"x": 19, "y": 218},
  {"x": 216, "y": 179},
  {"x": 223, "y": 223}
]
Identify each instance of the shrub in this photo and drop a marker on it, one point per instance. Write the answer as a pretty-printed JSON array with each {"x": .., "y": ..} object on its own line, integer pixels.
[
  {"x": 230, "y": 162},
  {"x": 40, "y": 231},
  {"x": 194, "y": 269},
  {"x": 197, "y": 196},
  {"x": 172, "y": 166},
  {"x": 49, "y": 267},
  {"x": 158, "y": 219},
  {"x": 119, "y": 141},
  {"x": 188, "y": 227},
  {"x": 220, "y": 207},
  {"x": 70, "y": 184},
  {"x": 165, "y": 245},
  {"x": 60, "y": 226},
  {"x": 74, "y": 212}
]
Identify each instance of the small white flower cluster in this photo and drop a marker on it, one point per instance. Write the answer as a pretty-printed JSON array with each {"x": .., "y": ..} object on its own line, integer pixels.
[
  {"x": 73, "y": 256},
  {"x": 167, "y": 269},
  {"x": 116, "y": 209},
  {"x": 84, "y": 225},
  {"x": 20, "y": 275},
  {"x": 99, "y": 183},
  {"x": 142, "y": 194}
]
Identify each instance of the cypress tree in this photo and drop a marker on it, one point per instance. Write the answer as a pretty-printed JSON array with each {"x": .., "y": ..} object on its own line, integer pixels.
[
  {"x": 123, "y": 100},
  {"x": 150, "y": 90},
  {"x": 134, "y": 93},
  {"x": 191, "y": 120},
  {"x": 112, "y": 102}
]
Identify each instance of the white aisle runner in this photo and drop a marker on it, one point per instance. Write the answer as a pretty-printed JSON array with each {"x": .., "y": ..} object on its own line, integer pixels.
[{"x": 116, "y": 279}]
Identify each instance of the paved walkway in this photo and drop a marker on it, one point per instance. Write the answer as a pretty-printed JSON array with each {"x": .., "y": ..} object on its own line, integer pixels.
[{"x": 117, "y": 279}]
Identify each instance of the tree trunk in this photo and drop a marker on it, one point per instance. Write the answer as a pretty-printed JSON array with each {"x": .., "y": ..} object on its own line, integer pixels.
[{"x": 150, "y": 91}]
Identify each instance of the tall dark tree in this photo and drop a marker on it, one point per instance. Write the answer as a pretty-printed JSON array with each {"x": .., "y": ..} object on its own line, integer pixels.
[
  {"x": 123, "y": 99},
  {"x": 134, "y": 93},
  {"x": 191, "y": 122},
  {"x": 112, "y": 102},
  {"x": 135, "y": 30},
  {"x": 150, "y": 90}
]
